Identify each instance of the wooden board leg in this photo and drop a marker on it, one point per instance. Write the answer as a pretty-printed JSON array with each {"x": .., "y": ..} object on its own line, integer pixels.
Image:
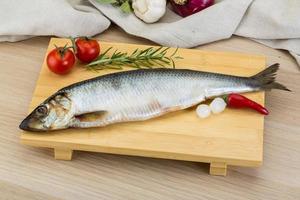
[
  {"x": 218, "y": 168},
  {"x": 63, "y": 154}
]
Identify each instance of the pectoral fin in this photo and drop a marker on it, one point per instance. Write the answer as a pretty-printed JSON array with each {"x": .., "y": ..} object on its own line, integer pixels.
[{"x": 92, "y": 116}]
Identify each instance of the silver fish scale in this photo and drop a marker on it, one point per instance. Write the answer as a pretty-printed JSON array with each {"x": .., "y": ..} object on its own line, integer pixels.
[{"x": 143, "y": 94}]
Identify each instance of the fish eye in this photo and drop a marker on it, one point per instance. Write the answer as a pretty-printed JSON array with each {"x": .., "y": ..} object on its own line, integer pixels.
[{"x": 42, "y": 110}]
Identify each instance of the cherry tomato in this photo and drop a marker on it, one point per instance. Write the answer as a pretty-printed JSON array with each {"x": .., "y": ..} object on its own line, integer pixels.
[
  {"x": 60, "y": 60},
  {"x": 87, "y": 49}
]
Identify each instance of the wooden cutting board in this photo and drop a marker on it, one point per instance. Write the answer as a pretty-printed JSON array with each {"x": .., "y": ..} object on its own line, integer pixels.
[{"x": 234, "y": 137}]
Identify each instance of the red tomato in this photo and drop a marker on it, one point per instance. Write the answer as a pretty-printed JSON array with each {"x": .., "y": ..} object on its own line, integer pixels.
[
  {"x": 87, "y": 49},
  {"x": 60, "y": 60}
]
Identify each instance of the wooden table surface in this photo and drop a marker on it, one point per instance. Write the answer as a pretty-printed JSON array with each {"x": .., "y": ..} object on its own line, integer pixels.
[{"x": 32, "y": 173}]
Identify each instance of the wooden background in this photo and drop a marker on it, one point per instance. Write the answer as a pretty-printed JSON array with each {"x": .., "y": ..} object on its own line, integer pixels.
[{"x": 31, "y": 173}]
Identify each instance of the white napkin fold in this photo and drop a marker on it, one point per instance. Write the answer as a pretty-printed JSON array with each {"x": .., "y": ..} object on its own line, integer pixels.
[
  {"x": 24, "y": 19},
  {"x": 274, "y": 23},
  {"x": 214, "y": 23}
]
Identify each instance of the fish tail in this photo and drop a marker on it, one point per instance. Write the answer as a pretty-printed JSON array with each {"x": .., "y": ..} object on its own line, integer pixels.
[{"x": 266, "y": 78}]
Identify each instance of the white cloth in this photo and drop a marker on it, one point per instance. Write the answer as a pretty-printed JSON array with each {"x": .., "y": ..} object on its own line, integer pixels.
[
  {"x": 24, "y": 19},
  {"x": 274, "y": 23}
]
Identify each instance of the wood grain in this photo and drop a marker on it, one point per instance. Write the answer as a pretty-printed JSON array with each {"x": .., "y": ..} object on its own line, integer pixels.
[{"x": 30, "y": 172}]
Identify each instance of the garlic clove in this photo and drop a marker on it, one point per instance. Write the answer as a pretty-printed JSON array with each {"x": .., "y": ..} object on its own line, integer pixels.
[
  {"x": 140, "y": 6},
  {"x": 218, "y": 105},
  {"x": 203, "y": 111}
]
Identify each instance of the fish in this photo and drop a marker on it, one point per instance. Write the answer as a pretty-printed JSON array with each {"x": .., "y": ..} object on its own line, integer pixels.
[{"x": 138, "y": 95}]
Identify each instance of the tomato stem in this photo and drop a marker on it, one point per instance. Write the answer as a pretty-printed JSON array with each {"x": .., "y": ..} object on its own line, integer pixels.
[
  {"x": 73, "y": 43},
  {"x": 73, "y": 40},
  {"x": 62, "y": 50}
]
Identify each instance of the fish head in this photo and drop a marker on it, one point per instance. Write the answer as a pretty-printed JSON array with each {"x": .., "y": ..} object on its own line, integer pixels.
[{"x": 53, "y": 114}]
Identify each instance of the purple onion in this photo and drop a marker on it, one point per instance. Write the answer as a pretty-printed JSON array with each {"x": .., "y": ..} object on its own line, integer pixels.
[{"x": 190, "y": 6}]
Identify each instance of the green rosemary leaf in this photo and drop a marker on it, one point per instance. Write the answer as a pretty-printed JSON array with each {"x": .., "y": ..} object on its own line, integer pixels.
[
  {"x": 105, "y": 52},
  {"x": 125, "y": 7},
  {"x": 165, "y": 61},
  {"x": 145, "y": 58},
  {"x": 144, "y": 51},
  {"x": 165, "y": 50},
  {"x": 134, "y": 52},
  {"x": 115, "y": 67},
  {"x": 173, "y": 63},
  {"x": 135, "y": 65},
  {"x": 107, "y": 1},
  {"x": 159, "y": 63},
  {"x": 155, "y": 51},
  {"x": 174, "y": 53},
  {"x": 149, "y": 63}
]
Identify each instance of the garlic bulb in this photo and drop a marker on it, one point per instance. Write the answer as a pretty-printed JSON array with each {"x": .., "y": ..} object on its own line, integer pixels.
[{"x": 149, "y": 10}]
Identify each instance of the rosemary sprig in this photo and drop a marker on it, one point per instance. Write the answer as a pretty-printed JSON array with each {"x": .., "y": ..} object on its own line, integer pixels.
[{"x": 145, "y": 58}]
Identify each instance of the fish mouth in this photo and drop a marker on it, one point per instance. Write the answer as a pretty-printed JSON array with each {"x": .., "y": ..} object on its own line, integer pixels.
[{"x": 25, "y": 126}]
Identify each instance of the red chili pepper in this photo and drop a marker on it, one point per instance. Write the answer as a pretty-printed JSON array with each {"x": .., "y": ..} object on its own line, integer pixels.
[{"x": 238, "y": 101}]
